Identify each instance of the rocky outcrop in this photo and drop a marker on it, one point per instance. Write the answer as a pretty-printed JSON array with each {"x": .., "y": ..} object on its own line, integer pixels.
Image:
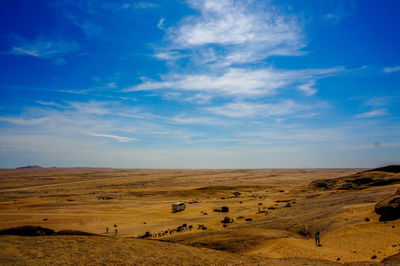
[{"x": 389, "y": 208}]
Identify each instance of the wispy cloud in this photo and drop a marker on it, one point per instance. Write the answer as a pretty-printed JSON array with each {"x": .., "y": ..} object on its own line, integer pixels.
[
  {"x": 56, "y": 51},
  {"x": 24, "y": 122},
  {"x": 115, "y": 137},
  {"x": 246, "y": 33},
  {"x": 51, "y": 104},
  {"x": 237, "y": 81},
  {"x": 168, "y": 55},
  {"x": 245, "y": 109},
  {"x": 381, "y": 100},
  {"x": 160, "y": 23},
  {"x": 221, "y": 40},
  {"x": 391, "y": 69},
  {"x": 140, "y": 5},
  {"x": 89, "y": 27},
  {"x": 373, "y": 113},
  {"x": 307, "y": 88}
]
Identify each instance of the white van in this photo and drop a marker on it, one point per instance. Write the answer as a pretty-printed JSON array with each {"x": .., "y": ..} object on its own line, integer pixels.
[{"x": 178, "y": 206}]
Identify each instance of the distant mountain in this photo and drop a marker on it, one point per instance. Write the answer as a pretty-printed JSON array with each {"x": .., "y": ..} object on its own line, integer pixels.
[{"x": 29, "y": 167}]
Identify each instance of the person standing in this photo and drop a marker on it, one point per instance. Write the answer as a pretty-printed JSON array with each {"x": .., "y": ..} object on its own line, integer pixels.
[{"x": 317, "y": 240}]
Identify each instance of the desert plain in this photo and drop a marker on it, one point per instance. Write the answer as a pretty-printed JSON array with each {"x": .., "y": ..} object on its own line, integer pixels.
[{"x": 272, "y": 218}]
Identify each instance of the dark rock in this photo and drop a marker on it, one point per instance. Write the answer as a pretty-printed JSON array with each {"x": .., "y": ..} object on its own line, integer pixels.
[
  {"x": 28, "y": 231},
  {"x": 389, "y": 208}
]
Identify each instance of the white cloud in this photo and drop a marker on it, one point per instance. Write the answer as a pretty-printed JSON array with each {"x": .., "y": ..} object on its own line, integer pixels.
[
  {"x": 199, "y": 98},
  {"x": 381, "y": 100},
  {"x": 139, "y": 5},
  {"x": 144, "y": 5},
  {"x": 249, "y": 110},
  {"x": 91, "y": 108},
  {"x": 237, "y": 81},
  {"x": 50, "y": 104},
  {"x": 111, "y": 85},
  {"x": 23, "y": 122},
  {"x": 194, "y": 120},
  {"x": 45, "y": 49},
  {"x": 160, "y": 23},
  {"x": 233, "y": 22},
  {"x": 243, "y": 31},
  {"x": 307, "y": 88},
  {"x": 374, "y": 113},
  {"x": 118, "y": 138},
  {"x": 391, "y": 69},
  {"x": 168, "y": 55},
  {"x": 89, "y": 27}
]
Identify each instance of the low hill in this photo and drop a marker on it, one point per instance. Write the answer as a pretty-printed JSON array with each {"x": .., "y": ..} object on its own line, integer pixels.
[
  {"x": 389, "y": 169},
  {"x": 96, "y": 250},
  {"x": 383, "y": 176},
  {"x": 30, "y": 167}
]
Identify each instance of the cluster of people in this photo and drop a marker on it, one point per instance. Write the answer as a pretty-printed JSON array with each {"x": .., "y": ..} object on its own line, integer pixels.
[
  {"x": 181, "y": 228},
  {"x": 115, "y": 228}
]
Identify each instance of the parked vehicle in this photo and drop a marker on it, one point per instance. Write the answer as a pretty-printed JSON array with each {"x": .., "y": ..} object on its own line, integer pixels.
[{"x": 178, "y": 206}]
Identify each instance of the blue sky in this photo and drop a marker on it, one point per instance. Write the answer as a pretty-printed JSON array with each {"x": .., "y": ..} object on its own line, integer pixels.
[{"x": 200, "y": 83}]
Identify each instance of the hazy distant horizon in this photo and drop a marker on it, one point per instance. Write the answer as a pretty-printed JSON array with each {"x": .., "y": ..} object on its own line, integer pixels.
[{"x": 200, "y": 84}]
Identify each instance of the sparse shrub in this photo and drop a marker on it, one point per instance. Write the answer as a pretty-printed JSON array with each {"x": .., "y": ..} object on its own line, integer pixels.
[
  {"x": 147, "y": 234},
  {"x": 248, "y": 219},
  {"x": 226, "y": 220}
]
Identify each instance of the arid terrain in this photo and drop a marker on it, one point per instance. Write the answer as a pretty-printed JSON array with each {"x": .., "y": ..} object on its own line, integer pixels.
[{"x": 273, "y": 215}]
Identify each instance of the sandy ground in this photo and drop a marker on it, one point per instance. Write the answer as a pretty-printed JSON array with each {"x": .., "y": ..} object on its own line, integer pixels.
[{"x": 139, "y": 201}]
